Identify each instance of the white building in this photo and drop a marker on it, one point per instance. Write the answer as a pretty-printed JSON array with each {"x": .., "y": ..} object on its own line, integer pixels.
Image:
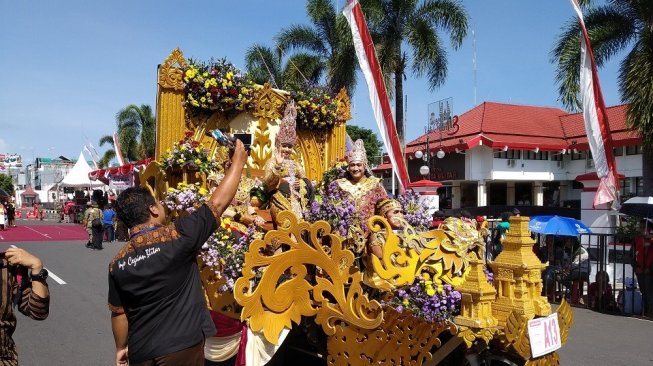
[{"x": 498, "y": 156}]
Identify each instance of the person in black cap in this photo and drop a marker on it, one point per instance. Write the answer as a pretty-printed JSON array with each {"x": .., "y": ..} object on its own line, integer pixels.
[{"x": 515, "y": 212}]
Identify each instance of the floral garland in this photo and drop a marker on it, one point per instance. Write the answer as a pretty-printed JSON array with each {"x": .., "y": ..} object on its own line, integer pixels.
[
  {"x": 217, "y": 86},
  {"x": 188, "y": 153},
  {"x": 424, "y": 300},
  {"x": 334, "y": 208},
  {"x": 224, "y": 252},
  {"x": 316, "y": 109},
  {"x": 414, "y": 212},
  {"x": 185, "y": 197}
]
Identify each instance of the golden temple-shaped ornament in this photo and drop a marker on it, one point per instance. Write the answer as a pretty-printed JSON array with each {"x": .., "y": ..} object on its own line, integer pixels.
[{"x": 518, "y": 276}]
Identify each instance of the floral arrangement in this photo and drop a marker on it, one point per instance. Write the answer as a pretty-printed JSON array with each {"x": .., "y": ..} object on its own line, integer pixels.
[
  {"x": 316, "y": 109},
  {"x": 224, "y": 252},
  {"x": 414, "y": 212},
  {"x": 337, "y": 171},
  {"x": 185, "y": 197},
  {"x": 218, "y": 86},
  {"x": 334, "y": 208},
  {"x": 188, "y": 153},
  {"x": 426, "y": 300}
]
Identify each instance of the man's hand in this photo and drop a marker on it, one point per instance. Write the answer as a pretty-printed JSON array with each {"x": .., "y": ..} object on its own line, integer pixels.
[
  {"x": 278, "y": 157},
  {"x": 18, "y": 256},
  {"x": 240, "y": 155},
  {"x": 121, "y": 357}
]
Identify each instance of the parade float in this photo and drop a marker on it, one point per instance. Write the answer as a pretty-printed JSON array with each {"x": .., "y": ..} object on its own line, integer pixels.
[{"x": 428, "y": 299}]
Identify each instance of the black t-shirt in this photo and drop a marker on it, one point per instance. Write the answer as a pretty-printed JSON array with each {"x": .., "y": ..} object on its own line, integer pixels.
[{"x": 155, "y": 280}]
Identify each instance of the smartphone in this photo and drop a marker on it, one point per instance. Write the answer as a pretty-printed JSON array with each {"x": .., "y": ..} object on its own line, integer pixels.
[{"x": 246, "y": 138}]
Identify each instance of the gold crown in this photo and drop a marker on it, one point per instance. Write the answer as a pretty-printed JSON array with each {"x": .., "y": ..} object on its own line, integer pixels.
[
  {"x": 357, "y": 153},
  {"x": 386, "y": 204},
  {"x": 288, "y": 126}
]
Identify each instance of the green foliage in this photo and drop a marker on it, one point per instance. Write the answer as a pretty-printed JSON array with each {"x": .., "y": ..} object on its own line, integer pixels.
[
  {"x": 372, "y": 144},
  {"x": 136, "y": 127},
  {"x": 6, "y": 183},
  {"x": 628, "y": 230}
]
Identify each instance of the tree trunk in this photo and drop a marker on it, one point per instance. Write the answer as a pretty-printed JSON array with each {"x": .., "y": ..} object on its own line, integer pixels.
[
  {"x": 399, "y": 105},
  {"x": 647, "y": 170}
]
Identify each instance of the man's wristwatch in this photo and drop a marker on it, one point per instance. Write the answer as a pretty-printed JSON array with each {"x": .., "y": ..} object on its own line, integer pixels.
[{"x": 41, "y": 276}]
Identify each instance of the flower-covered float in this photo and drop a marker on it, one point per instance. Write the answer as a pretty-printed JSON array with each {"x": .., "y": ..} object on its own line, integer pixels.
[{"x": 305, "y": 283}]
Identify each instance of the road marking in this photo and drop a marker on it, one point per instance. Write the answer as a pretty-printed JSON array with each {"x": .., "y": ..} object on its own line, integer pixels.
[
  {"x": 38, "y": 232},
  {"x": 50, "y": 274}
]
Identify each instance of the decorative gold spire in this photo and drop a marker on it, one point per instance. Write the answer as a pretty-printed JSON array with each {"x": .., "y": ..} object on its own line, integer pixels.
[{"x": 518, "y": 275}]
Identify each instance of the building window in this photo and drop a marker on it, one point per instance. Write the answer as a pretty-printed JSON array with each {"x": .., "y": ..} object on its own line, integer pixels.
[
  {"x": 578, "y": 155},
  {"x": 509, "y": 154},
  {"x": 557, "y": 157},
  {"x": 624, "y": 188},
  {"x": 639, "y": 186},
  {"x": 532, "y": 155},
  {"x": 633, "y": 150},
  {"x": 618, "y": 151}
]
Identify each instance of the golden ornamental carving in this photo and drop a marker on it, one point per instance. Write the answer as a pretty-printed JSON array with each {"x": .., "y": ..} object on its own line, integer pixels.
[
  {"x": 444, "y": 254},
  {"x": 269, "y": 103},
  {"x": 343, "y": 109},
  {"x": 551, "y": 359},
  {"x": 312, "y": 151},
  {"x": 222, "y": 302},
  {"x": 471, "y": 336},
  {"x": 401, "y": 339},
  {"x": 516, "y": 332},
  {"x": 171, "y": 71},
  {"x": 153, "y": 179},
  {"x": 273, "y": 304}
]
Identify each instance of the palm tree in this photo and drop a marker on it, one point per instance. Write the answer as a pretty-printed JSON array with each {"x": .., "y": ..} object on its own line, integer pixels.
[
  {"x": 619, "y": 25},
  {"x": 328, "y": 40},
  {"x": 415, "y": 24},
  {"x": 136, "y": 134},
  {"x": 264, "y": 65}
]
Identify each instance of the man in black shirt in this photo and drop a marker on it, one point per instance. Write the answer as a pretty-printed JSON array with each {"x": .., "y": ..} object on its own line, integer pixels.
[{"x": 155, "y": 294}]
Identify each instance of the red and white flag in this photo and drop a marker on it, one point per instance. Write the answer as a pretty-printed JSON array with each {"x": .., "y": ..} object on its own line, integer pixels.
[
  {"x": 596, "y": 120},
  {"x": 116, "y": 147},
  {"x": 378, "y": 95}
]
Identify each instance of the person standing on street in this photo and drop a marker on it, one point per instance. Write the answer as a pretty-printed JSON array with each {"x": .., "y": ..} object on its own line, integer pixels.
[
  {"x": 108, "y": 220},
  {"x": 158, "y": 311},
  {"x": 94, "y": 227},
  {"x": 24, "y": 286},
  {"x": 644, "y": 264}
]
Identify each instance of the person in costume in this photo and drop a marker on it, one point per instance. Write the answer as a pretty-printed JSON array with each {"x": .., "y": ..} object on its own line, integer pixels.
[
  {"x": 363, "y": 189},
  {"x": 284, "y": 178}
]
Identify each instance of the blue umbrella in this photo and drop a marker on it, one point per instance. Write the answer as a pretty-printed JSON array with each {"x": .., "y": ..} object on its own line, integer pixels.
[{"x": 557, "y": 225}]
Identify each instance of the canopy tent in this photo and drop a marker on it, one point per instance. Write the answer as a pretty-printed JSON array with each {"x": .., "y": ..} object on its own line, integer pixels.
[{"x": 78, "y": 175}]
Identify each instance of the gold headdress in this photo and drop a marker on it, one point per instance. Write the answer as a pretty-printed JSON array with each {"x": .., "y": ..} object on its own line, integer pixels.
[
  {"x": 357, "y": 153},
  {"x": 288, "y": 126},
  {"x": 386, "y": 204}
]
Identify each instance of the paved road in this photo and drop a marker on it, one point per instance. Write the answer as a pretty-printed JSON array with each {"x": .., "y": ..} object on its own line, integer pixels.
[{"x": 78, "y": 331}]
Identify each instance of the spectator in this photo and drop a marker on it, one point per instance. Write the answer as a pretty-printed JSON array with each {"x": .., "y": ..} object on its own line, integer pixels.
[
  {"x": 158, "y": 311},
  {"x": 600, "y": 293},
  {"x": 108, "y": 220},
  {"x": 93, "y": 223},
  {"x": 630, "y": 300},
  {"x": 25, "y": 287},
  {"x": 438, "y": 219},
  {"x": 515, "y": 212},
  {"x": 500, "y": 233},
  {"x": 3, "y": 217}
]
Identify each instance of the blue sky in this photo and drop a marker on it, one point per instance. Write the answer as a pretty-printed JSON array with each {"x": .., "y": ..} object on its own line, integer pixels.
[{"x": 69, "y": 66}]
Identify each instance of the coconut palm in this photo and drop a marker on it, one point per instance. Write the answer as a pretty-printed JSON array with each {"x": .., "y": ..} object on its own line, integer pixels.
[
  {"x": 619, "y": 25},
  {"x": 264, "y": 65},
  {"x": 328, "y": 39},
  {"x": 136, "y": 134},
  {"x": 416, "y": 25}
]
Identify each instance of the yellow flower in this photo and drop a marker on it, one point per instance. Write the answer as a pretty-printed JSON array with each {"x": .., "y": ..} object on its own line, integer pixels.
[
  {"x": 230, "y": 75},
  {"x": 194, "y": 103},
  {"x": 180, "y": 161},
  {"x": 202, "y": 99},
  {"x": 198, "y": 161},
  {"x": 430, "y": 290},
  {"x": 405, "y": 302},
  {"x": 205, "y": 74},
  {"x": 225, "y": 237},
  {"x": 226, "y": 221},
  {"x": 203, "y": 191},
  {"x": 182, "y": 147},
  {"x": 170, "y": 189},
  {"x": 190, "y": 73}
]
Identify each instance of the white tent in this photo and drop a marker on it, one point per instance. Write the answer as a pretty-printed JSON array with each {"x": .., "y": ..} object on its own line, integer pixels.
[{"x": 78, "y": 176}]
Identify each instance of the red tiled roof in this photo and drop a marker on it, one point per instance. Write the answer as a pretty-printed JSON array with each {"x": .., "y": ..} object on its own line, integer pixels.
[{"x": 522, "y": 127}]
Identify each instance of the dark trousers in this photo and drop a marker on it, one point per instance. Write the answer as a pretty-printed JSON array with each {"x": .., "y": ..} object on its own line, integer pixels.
[
  {"x": 193, "y": 356},
  {"x": 96, "y": 238},
  {"x": 108, "y": 229}
]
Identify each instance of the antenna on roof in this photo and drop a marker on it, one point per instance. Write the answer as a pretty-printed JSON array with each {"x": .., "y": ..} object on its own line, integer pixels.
[{"x": 474, "y": 63}]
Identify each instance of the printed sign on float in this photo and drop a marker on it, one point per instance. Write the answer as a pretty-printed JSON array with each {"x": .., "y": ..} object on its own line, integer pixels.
[{"x": 544, "y": 334}]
